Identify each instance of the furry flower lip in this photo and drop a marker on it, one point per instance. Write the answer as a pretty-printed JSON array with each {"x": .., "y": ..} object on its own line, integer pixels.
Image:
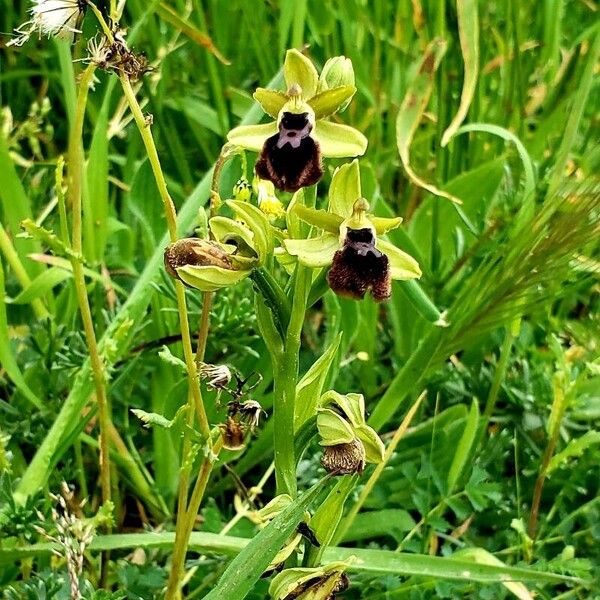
[
  {"x": 291, "y": 147},
  {"x": 54, "y": 18},
  {"x": 360, "y": 260}
]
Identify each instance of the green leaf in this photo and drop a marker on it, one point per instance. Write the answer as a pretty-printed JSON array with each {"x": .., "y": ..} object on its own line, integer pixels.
[
  {"x": 575, "y": 447},
  {"x": 247, "y": 567},
  {"x": 310, "y": 387},
  {"x": 6, "y": 355},
  {"x": 387, "y": 562},
  {"x": 41, "y": 285},
  {"x": 465, "y": 445},
  {"x": 49, "y": 239},
  {"x": 345, "y": 189},
  {"x": 528, "y": 168},
  {"x": 329, "y": 513},
  {"x": 468, "y": 31},
  {"x": 151, "y": 418},
  {"x": 167, "y": 356},
  {"x": 297, "y": 69},
  {"x": 412, "y": 109}
]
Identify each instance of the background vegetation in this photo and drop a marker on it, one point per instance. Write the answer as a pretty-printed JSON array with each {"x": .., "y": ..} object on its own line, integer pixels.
[{"x": 513, "y": 398}]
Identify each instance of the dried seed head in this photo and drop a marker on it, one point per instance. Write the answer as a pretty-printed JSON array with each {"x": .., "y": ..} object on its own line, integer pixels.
[
  {"x": 248, "y": 411},
  {"x": 216, "y": 377},
  {"x": 344, "y": 459},
  {"x": 195, "y": 252}
]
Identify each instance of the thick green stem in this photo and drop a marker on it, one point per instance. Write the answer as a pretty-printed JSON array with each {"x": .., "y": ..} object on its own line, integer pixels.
[
  {"x": 75, "y": 180},
  {"x": 285, "y": 388}
]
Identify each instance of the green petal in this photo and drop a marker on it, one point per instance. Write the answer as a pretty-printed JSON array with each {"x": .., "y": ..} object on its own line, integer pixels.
[
  {"x": 333, "y": 429},
  {"x": 258, "y": 223},
  {"x": 271, "y": 101},
  {"x": 225, "y": 230},
  {"x": 339, "y": 141},
  {"x": 252, "y": 137},
  {"x": 209, "y": 278},
  {"x": 297, "y": 69},
  {"x": 402, "y": 265},
  {"x": 374, "y": 448},
  {"x": 330, "y": 101},
  {"x": 319, "y": 218},
  {"x": 383, "y": 225},
  {"x": 344, "y": 190},
  {"x": 314, "y": 252}
]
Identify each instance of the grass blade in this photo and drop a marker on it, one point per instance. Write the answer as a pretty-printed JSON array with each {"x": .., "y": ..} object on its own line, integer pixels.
[
  {"x": 247, "y": 567},
  {"x": 468, "y": 30}
]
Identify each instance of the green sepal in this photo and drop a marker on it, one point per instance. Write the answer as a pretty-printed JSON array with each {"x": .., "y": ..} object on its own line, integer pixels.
[
  {"x": 322, "y": 219},
  {"x": 330, "y": 101},
  {"x": 252, "y": 137},
  {"x": 291, "y": 218},
  {"x": 210, "y": 278},
  {"x": 270, "y": 510},
  {"x": 299, "y": 70},
  {"x": 352, "y": 405},
  {"x": 271, "y": 101},
  {"x": 345, "y": 189},
  {"x": 339, "y": 141},
  {"x": 374, "y": 448},
  {"x": 402, "y": 265},
  {"x": 258, "y": 223},
  {"x": 285, "y": 552},
  {"x": 314, "y": 252},
  {"x": 333, "y": 429},
  {"x": 226, "y": 230}
]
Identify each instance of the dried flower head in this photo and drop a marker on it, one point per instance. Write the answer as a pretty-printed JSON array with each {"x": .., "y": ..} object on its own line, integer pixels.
[
  {"x": 195, "y": 252},
  {"x": 54, "y": 18},
  {"x": 233, "y": 433},
  {"x": 217, "y": 377},
  {"x": 249, "y": 412}
]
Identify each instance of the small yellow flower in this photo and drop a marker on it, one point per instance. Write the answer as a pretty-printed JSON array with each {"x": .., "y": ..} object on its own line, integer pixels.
[{"x": 268, "y": 202}]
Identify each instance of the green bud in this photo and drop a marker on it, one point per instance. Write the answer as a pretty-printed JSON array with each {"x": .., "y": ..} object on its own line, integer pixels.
[
  {"x": 242, "y": 190},
  {"x": 333, "y": 429},
  {"x": 337, "y": 72}
]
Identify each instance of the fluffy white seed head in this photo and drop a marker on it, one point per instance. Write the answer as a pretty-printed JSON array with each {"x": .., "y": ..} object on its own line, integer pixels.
[{"x": 57, "y": 18}]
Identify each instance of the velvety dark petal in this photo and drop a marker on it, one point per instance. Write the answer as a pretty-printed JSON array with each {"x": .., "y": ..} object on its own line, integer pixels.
[
  {"x": 291, "y": 159},
  {"x": 359, "y": 267}
]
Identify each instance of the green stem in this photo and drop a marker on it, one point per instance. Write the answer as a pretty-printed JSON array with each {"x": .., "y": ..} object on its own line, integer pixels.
[
  {"x": 75, "y": 175},
  {"x": 285, "y": 388},
  {"x": 274, "y": 297}
]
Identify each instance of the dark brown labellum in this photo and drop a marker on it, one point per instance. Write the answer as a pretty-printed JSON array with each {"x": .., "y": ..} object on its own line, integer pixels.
[
  {"x": 309, "y": 534},
  {"x": 291, "y": 159},
  {"x": 359, "y": 267},
  {"x": 344, "y": 459},
  {"x": 195, "y": 252}
]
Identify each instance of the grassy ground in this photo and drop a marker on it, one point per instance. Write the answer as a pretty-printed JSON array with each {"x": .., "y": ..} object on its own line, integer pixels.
[{"x": 500, "y": 462}]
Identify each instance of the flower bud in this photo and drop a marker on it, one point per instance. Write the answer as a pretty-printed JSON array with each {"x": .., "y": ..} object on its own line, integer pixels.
[
  {"x": 337, "y": 72},
  {"x": 195, "y": 252}
]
